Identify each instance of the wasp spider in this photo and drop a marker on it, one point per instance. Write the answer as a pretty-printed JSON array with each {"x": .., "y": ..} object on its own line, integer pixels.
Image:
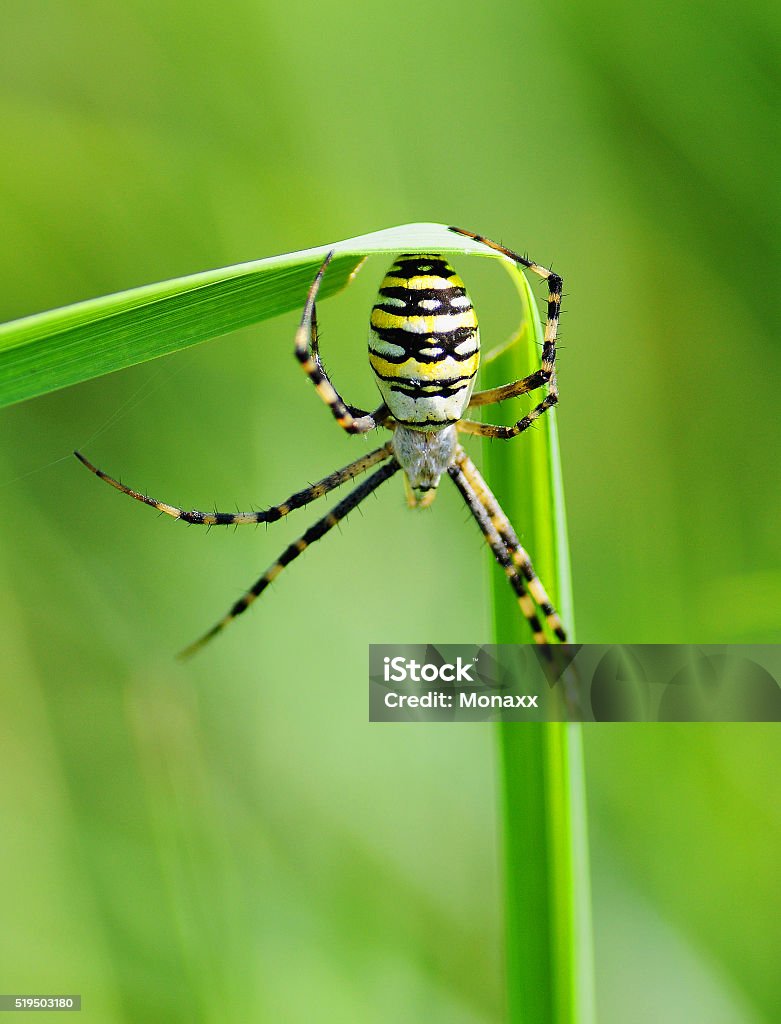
[{"x": 424, "y": 349}]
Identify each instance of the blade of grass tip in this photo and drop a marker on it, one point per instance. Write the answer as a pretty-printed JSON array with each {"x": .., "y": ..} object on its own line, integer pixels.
[
  {"x": 52, "y": 350},
  {"x": 547, "y": 892}
]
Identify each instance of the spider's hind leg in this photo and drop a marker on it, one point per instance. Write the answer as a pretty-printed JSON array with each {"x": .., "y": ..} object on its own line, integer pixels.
[
  {"x": 547, "y": 372},
  {"x": 349, "y": 418}
]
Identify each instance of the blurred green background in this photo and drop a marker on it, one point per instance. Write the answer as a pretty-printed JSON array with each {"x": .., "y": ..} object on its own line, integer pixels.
[{"x": 230, "y": 840}]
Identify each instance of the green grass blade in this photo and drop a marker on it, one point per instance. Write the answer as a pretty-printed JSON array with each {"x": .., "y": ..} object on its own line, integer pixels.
[
  {"x": 52, "y": 350},
  {"x": 548, "y": 927}
]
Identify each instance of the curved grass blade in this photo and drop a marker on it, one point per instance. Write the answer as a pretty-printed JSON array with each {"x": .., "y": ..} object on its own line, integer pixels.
[
  {"x": 52, "y": 350},
  {"x": 548, "y": 924}
]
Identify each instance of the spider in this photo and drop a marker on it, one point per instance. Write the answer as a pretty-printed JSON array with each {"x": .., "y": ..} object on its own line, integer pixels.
[{"x": 424, "y": 349}]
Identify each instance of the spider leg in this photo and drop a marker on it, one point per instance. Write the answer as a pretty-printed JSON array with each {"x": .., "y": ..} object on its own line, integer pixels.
[
  {"x": 547, "y": 372},
  {"x": 505, "y": 433},
  {"x": 349, "y": 418},
  {"x": 315, "y": 532},
  {"x": 517, "y": 552},
  {"x": 271, "y": 515},
  {"x": 498, "y": 546},
  {"x": 535, "y": 380}
]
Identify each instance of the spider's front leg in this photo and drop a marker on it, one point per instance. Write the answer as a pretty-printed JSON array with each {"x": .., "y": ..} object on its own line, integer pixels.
[
  {"x": 269, "y": 515},
  {"x": 292, "y": 551},
  {"x": 349, "y": 418}
]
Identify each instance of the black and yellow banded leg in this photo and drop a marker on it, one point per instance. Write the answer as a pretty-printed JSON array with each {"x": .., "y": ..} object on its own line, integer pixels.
[
  {"x": 270, "y": 515},
  {"x": 491, "y": 430},
  {"x": 315, "y": 532},
  {"x": 518, "y": 553},
  {"x": 354, "y": 421},
  {"x": 492, "y": 396},
  {"x": 555, "y": 285},
  {"x": 500, "y": 550},
  {"x": 548, "y": 367},
  {"x": 380, "y": 415}
]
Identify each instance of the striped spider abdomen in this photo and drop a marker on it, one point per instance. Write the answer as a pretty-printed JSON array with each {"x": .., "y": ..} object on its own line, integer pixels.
[{"x": 424, "y": 342}]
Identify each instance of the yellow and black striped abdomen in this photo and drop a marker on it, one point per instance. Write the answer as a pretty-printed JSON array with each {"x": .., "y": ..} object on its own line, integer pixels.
[{"x": 424, "y": 343}]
